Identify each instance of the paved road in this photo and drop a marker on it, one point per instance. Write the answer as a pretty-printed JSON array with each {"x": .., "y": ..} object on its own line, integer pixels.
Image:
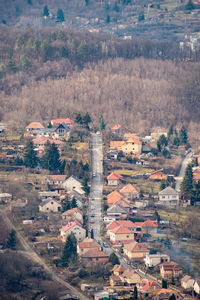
[
  {"x": 185, "y": 162},
  {"x": 32, "y": 255},
  {"x": 96, "y": 186}
]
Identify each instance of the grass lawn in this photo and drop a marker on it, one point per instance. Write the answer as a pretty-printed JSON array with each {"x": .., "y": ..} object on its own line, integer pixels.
[
  {"x": 10, "y": 138},
  {"x": 136, "y": 170}
]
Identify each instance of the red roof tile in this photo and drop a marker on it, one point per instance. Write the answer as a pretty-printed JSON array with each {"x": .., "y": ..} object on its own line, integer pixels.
[{"x": 114, "y": 176}]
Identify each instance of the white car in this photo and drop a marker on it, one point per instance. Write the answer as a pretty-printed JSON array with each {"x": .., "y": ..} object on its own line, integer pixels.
[{"x": 98, "y": 132}]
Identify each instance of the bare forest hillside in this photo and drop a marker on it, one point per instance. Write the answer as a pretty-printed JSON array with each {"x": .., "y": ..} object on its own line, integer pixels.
[{"x": 139, "y": 94}]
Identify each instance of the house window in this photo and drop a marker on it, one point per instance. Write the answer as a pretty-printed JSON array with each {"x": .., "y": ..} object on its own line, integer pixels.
[
  {"x": 127, "y": 236},
  {"x": 133, "y": 148},
  {"x": 163, "y": 197},
  {"x": 47, "y": 208},
  {"x": 126, "y": 148},
  {"x": 51, "y": 202},
  {"x": 97, "y": 258}
]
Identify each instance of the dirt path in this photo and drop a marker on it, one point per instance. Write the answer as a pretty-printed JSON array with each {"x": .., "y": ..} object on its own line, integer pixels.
[{"x": 32, "y": 255}]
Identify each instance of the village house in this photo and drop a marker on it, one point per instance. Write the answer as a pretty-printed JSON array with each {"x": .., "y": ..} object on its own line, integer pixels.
[
  {"x": 117, "y": 211},
  {"x": 152, "y": 260},
  {"x": 197, "y": 286},
  {"x": 48, "y": 194},
  {"x": 158, "y": 175},
  {"x": 146, "y": 289},
  {"x": 169, "y": 197},
  {"x": 114, "y": 179},
  {"x": 95, "y": 256},
  {"x": 75, "y": 228},
  {"x": 164, "y": 294},
  {"x": 5, "y": 197},
  {"x": 116, "y": 128},
  {"x": 49, "y": 205},
  {"x": 61, "y": 132},
  {"x": 170, "y": 270},
  {"x": 73, "y": 214},
  {"x": 87, "y": 244},
  {"x": 187, "y": 282},
  {"x": 34, "y": 127},
  {"x": 118, "y": 270},
  {"x": 57, "y": 122},
  {"x": 130, "y": 146},
  {"x": 126, "y": 223},
  {"x": 130, "y": 192},
  {"x": 135, "y": 251},
  {"x": 71, "y": 184},
  {"x": 123, "y": 277},
  {"x": 148, "y": 226},
  {"x": 74, "y": 189},
  {"x": 55, "y": 179},
  {"x": 196, "y": 174},
  {"x": 113, "y": 197},
  {"x": 121, "y": 233}
]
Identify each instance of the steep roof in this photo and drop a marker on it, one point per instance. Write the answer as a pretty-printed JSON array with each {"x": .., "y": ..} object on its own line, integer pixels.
[
  {"x": 168, "y": 191},
  {"x": 133, "y": 137},
  {"x": 117, "y": 223},
  {"x": 113, "y": 197},
  {"x": 150, "y": 285},
  {"x": 71, "y": 211},
  {"x": 116, "y": 208},
  {"x": 88, "y": 243},
  {"x": 157, "y": 171},
  {"x": 94, "y": 253},
  {"x": 121, "y": 229},
  {"x": 35, "y": 125},
  {"x": 60, "y": 121},
  {"x": 114, "y": 176},
  {"x": 70, "y": 225},
  {"x": 135, "y": 247},
  {"x": 129, "y": 188},
  {"x": 118, "y": 268}
]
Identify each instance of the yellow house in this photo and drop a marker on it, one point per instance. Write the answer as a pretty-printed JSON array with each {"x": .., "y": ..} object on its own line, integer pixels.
[
  {"x": 121, "y": 233},
  {"x": 49, "y": 205},
  {"x": 135, "y": 251},
  {"x": 170, "y": 269},
  {"x": 130, "y": 146}
]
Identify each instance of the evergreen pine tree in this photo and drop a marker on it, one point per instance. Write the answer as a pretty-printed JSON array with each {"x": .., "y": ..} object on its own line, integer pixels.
[
  {"x": 87, "y": 119},
  {"x": 113, "y": 259},
  {"x": 135, "y": 293},
  {"x": 79, "y": 119},
  {"x": 170, "y": 132},
  {"x": 60, "y": 15},
  {"x": 30, "y": 157},
  {"x": 187, "y": 183},
  {"x": 74, "y": 203},
  {"x": 183, "y": 135},
  {"x": 102, "y": 125},
  {"x": 70, "y": 250},
  {"x": 51, "y": 157},
  {"x": 11, "y": 243},
  {"x": 164, "y": 284},
  {"x": 92, "y": 234},
  {"x": 46, "y": 11}
]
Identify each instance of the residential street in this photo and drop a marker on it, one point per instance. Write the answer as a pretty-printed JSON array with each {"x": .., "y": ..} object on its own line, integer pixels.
[
  {"x": 185, "y": 162},
  {"x": 96, "y": 186}
]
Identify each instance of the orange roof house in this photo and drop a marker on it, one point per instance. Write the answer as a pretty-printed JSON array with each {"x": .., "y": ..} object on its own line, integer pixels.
[
  {"x": 34, "y": 126},
  {"x": 149, "y": 226},
  {"x": 135, "y": 251},
  {"x": 73, "y": 214},
  {"x": 57, "y": 122},
  {"x": 170, "y": 270},
  {"x": 95, "y": 256},
  {"x": 118, "y": 270},
  {"x": 116, "y": 127},
  {"x": 87, "y": 244},
  {"x": 120, "y": 231},
  {"x": 114, "y": 178},
  {"x": 113, "y": 197},
  {"x": 130, "y": 191},
  {"x": 116, "y": 145}
]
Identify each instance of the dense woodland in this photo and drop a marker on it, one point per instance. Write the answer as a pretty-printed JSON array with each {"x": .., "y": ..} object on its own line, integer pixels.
[{"x": 50, "y": 74}]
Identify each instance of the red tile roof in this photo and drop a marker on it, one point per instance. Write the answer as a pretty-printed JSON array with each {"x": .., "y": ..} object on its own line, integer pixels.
[
  {"x": 114, "y": 176},
  {"x": 121, "y": 229},
  {"x": 135, "y": 247},
  {"x": 60, "y": 121},
  {"x": 147, "y": 223},
  {"x": 125, "y": 223},
  {"x": 116, "y": 127},
  {"x": 132, "y": 137},
  {"x": 116, "y": 144},
  {"x": 113, "y": 197},
  {"x": 170, "y": 266},
  {"x": 69, "y": 226},
  {"x": 150, "y": 285}
]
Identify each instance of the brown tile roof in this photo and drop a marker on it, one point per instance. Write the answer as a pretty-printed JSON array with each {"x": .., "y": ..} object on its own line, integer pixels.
[
  {"x": 116, "y": 126},
  {"x": 121, "y": 229},
  {"x": 114, "y": 176},
  {"x": 135, "y": 247},
  {"x": 70, "y": 225},
  {"x": 118, "y": 268},
  {"x": 94, "y": 253},
  {"x": 60, "y": 121},
  {"x": 129, "y": 188},
  {"x": 35, "y": 125},
  {"x": 157, "y": 171},
  {"x": 170, "y": 266},
  {"x": 115, "y": 278},
  {"x": 71, "y": 211},
  {"x": 88, "y": 243},
  {"x": 57, "y": 177},
  {"x": 113, "y": 197},
  {"x": 132, "y": 137}
]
